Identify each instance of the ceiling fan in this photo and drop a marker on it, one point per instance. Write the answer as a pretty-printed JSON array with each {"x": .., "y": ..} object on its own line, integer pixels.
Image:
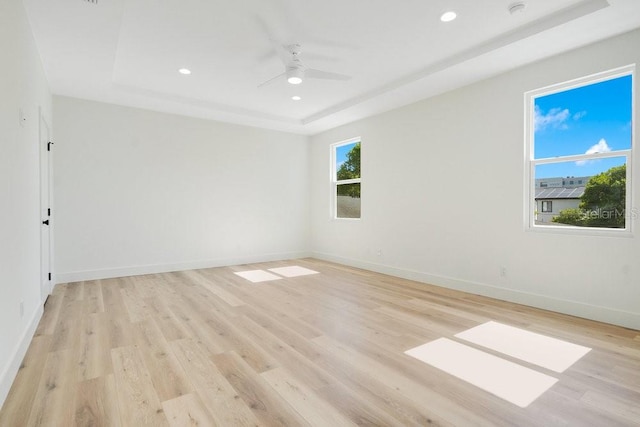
[{"x": 296, "y": 71}]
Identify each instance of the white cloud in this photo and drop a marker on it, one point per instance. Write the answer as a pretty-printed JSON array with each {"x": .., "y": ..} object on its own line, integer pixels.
[
  {"x": 555, "y": 118},
  {"x": 579, "y": 115},
  {"x": 600, "y": 147}
]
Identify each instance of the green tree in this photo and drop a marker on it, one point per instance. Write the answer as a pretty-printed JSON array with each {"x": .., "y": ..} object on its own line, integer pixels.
[
  {"x": 604, "y": 198},
  {"x": 350, "y": 169},
  {"x": 572, "y": 216},
  {"x": 603, "y": 201}
]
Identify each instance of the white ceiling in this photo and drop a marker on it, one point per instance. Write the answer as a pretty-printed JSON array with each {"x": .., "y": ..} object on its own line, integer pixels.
[{"x": 128, "y": 51}]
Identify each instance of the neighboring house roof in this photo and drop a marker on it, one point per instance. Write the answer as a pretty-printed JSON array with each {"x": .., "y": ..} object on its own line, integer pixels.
[{"x": 559, "y": 193}]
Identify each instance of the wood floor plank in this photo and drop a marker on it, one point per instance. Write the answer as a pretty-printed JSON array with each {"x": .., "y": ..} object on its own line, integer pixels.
[
  {"x": 95, "y": 347},
  {"x": 625, "y": 408},
  {"x": 134, "y": 303},
  {"x": 216, "y": 289},
  {"x": 269, "y": 408},
  {"x": 169, "y": 324},
  {"x": 121, "y": 331},
  {"x": 93, "y": 297},
  {"x": 195, "y": 323},
  {"x": 112, "y": 299},
  {"x": 208, "y": 347},
  {"x": 227, "y": 411},
  {"x": 230, "y": 338},
  {"x": 197, "y": 363},
  {"x": 49, "y": 319},
  {"x": 291, "y": 352},
  {"x": 97, "y": 403},
  {"x": 137, "y": 399},
  {"x": 152, "y": 285},
  {"x": 68, "y": 329},
  {"x": 21, "y": 398},
  {"x": 315, "y": 410},
  {"x": 356, "y": 407},
  {"x": 441, "y": 409},
  {"x": 168, "y": 376},
  {"x": 187, "y": 410},
  {"x": 213, "y": 388},
  {"x": 56, "y": 390}
]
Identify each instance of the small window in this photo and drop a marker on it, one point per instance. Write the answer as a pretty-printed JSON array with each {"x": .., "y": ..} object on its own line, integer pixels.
[
  {"x": 346, "y": 180},
  {"x": 582, "y": 128}
]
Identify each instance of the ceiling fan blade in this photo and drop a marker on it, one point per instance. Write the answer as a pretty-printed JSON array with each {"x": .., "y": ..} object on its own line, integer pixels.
[
  {"x": 320, "y": 57},
  {"x": 271, "y": 80},
  {"x": 278, "y": 48},
  {"x": 283, "y": 53},
  {"x": 318, "y": 74}
]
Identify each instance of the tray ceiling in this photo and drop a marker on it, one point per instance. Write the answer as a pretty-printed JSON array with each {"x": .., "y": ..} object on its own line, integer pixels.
[{"x": 128, "y": 52}]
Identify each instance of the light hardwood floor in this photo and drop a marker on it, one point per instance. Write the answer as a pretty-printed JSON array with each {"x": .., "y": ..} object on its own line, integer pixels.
[{"x": 207, "y": 347}]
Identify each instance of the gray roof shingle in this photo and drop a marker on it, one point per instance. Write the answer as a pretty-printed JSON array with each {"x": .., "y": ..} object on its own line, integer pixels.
[{"x": 559, "y": 193}]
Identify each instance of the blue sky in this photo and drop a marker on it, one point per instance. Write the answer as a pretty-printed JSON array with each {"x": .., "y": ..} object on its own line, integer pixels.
[
  {"x": 593, "y": 118},
  {"x": 341, "y": 154}
]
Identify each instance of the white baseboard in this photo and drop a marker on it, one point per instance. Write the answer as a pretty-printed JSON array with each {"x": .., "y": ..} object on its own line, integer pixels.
[
  {"x": 11, "y": 370},
  {"x": 587, "y": 311},
  {"x": 108, "y": 273}
]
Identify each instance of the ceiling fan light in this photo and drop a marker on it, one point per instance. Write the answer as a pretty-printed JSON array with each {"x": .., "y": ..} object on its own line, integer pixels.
[
  {"x": 448, "y": 16},
  {"x": 294, "y": 75}
]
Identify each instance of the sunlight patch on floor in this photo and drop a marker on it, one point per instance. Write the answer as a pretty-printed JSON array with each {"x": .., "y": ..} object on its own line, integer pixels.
[
  {"x": 505, "y": 379},
  {"x": 547, "y": 352},
  {"x": 257, "y": 276},
  {"x": 292, "y": 271}
]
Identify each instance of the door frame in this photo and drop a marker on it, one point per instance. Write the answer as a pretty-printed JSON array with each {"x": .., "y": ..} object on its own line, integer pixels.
[{"x": 46, "y": 247}]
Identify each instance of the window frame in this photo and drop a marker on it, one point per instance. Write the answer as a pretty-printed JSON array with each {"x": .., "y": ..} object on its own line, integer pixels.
[
  {"x": 530, "y": 205},
  {"x": 548, "y": 204},
  {"x": 335, "y": 182}
]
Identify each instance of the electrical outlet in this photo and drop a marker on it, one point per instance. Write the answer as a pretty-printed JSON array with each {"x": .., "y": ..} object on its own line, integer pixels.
[
  {"x": 21, "y": 117},
  {"x": 503, "y": 271}
]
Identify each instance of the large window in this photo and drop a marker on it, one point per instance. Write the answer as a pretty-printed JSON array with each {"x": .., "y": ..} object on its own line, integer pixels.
[
  {"x": 345, "y": 177},
  {"x": 581, "y": 129}
]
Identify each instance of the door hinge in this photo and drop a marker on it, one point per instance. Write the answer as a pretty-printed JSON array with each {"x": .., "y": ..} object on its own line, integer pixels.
[
  {"x": 49, "y": 212},
  {"x": 49, "y": 276}
]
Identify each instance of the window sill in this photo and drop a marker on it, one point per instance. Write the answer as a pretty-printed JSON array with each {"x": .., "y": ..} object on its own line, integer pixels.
[{"x": 580, "y": 231}]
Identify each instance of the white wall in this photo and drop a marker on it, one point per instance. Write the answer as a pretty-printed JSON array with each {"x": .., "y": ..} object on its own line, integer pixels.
[
  {"x": 139, "y": 191},
  {"x": 432, "y": 169},
  {"x": 22, "y": 86}
]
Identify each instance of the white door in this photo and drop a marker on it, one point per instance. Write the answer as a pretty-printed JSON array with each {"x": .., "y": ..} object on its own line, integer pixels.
[{"x": 45, "y": 209}]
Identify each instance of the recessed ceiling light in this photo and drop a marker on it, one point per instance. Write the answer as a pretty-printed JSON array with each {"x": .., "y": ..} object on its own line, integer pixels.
[
  {"x": 296, "y": 98},
  {"x": 184, "y": 71},
  {"x": 448, "y": 16},
  {"x": 294, "y": 80}
]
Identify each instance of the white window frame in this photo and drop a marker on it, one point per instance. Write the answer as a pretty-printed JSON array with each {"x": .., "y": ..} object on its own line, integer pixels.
[
  {"x": 531, "y": 162},
  {"x": 335, "y": 182}
]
